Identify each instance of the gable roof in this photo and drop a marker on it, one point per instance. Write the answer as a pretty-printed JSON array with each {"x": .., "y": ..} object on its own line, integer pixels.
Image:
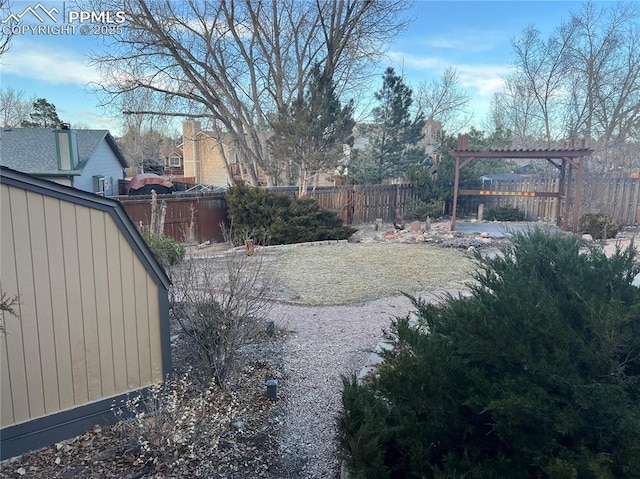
[
  {"x": 113, "y": 207},
  {"x": 33, "y": 150}
]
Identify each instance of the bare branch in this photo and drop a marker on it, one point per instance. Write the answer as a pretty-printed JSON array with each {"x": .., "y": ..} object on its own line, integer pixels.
[{"x": 239, "y": 62}]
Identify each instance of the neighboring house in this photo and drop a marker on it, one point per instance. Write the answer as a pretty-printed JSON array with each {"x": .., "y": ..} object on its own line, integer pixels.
[
  {"x": 88, "y": 160},
  {"x": 488, "y": 179},
  {"x": 93, "y": 314},
  {"x": 202, "y": 158},
  {"x": 173, "y": 161}
]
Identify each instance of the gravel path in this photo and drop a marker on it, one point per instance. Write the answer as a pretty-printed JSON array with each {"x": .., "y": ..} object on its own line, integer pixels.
[{"x": 325, "y": 343}]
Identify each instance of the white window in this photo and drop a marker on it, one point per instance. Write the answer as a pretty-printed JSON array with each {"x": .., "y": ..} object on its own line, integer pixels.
[
  {"x": 100, "y": 185},
  {"x": 175, "y": 161}
]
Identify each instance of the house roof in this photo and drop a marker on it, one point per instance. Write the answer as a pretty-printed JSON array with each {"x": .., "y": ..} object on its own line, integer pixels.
[
  {"x": 113, "y": 207},
  {"x": 502, "y": 177},
  {"x": 33, "y": 150}
]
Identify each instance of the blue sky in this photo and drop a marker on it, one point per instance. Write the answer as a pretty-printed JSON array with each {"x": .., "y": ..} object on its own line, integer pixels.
[{"x": 472, "y": 36}]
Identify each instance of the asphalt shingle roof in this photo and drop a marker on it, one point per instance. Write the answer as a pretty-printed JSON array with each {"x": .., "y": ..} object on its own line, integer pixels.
[{"x": 33, "y": 150}]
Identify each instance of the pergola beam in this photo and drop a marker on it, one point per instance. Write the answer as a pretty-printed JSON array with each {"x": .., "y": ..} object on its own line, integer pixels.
[{"x": 523, "y": 154}]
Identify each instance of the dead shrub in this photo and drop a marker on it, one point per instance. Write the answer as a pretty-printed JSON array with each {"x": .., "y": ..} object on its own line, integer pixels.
[
  {"x": 172, "y": 423},
  {"x": 221, "y": 305}
]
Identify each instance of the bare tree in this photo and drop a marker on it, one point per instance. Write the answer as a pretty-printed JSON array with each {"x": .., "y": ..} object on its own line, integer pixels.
[
  {"x": 5, "y": 33},
  {"x": 236, "y": 62},
  {"x": 583, "y": 81},
  {"x": 514, "y": 108},
  {"x": 604, "y": 56},
  {"x": 14, "y": 106},
  {"x": 445, "y": 101},
  {"x": 542, "y": 72},
  {"x": 143, "y": 148}
]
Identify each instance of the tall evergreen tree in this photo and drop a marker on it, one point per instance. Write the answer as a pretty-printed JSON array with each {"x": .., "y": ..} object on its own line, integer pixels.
[
  {"x": 44, "y": 115},
  {"x": 394, "y": 136},
  {"x": 311, "y": 134}
]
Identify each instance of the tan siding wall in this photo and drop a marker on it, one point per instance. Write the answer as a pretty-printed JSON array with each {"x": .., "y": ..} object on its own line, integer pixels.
[
  {"x": 60, "y": 310},
  {"x": 213, "y": 170},
  {"x": 89, "y": 312}
]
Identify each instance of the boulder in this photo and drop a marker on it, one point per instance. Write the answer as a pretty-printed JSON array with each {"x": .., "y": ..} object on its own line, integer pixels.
[{"x": 415, "y": 227}]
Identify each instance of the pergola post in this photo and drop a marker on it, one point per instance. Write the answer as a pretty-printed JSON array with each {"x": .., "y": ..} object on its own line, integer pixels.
[
  {"x": 578, "y": 196},
  {"x": 456, "y": 182},
  {"x": 567, "y": 202},
  {"x": 561, "y": 194}
]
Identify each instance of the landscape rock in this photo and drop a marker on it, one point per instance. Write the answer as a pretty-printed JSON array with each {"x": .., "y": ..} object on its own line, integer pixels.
[
  {"x": 587, "y": 237},
  {"x": 415, "y": 227}
]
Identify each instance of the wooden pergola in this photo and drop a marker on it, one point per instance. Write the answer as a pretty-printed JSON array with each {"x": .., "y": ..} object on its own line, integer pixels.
[{"x": 565, "y": 160}]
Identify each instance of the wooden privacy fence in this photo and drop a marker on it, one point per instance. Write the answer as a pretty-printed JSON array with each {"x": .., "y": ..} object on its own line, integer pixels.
[
  {"x": 189, "y": 217},
  {"x": 363, "y": 203},
  {"x": 533, "y": 207},
  {"x": 618, "y": 197},
  {"x": 197, "y": 217}
]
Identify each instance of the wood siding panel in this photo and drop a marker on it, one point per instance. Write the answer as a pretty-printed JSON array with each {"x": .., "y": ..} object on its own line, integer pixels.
[
  {"x": 142, "y": 322},
  {"x": 14, "y": 407},
  {"x": 7, "y": 400},
  {"x": 103, "y": 313},
  {"x": 60, "y": 311},
  {"x": 155, "y": 341},
  {"x": 44, "y": 309},
  {"x": 130, "y": 322},
  {"x": 117, "y": 319},
  {"x": 89, "y": 307},
  {"x": 29, "y": 326},
  {"x": 78, "y": 351}
]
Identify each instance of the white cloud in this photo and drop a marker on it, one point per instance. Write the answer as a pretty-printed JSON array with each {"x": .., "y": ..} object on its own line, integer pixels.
[
  {"x": 56, "y": 66},
  {"x": 467, "y": 40},
  {"x": 409, "y": 60},
  {"x": 486, "y": 79}
]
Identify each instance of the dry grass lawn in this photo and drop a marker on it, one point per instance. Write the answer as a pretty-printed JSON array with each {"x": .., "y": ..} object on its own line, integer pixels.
[{"x": 350, "y": 273}]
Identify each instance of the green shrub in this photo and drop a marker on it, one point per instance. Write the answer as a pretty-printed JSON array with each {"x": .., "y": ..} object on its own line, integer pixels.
[
  {"x": 281, "y": 218},
  {"x": 424, "y": 210},
  {"x": 599, "y": 225},
  {"x": 536, "y": 374},
  {"x": 166, "y": 251},
  {"x": 504, "y": 213}
]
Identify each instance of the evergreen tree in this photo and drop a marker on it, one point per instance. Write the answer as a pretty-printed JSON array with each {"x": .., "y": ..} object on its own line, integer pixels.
[
  {"x": 536, "y": 374},
  {"x": 393, "y": 138},
  {"x": 434, "y": 183},
  {"x": 312, "y": 133},
  {"x": 280, "y": 218},
  {"x": 44, "y": 115}
]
